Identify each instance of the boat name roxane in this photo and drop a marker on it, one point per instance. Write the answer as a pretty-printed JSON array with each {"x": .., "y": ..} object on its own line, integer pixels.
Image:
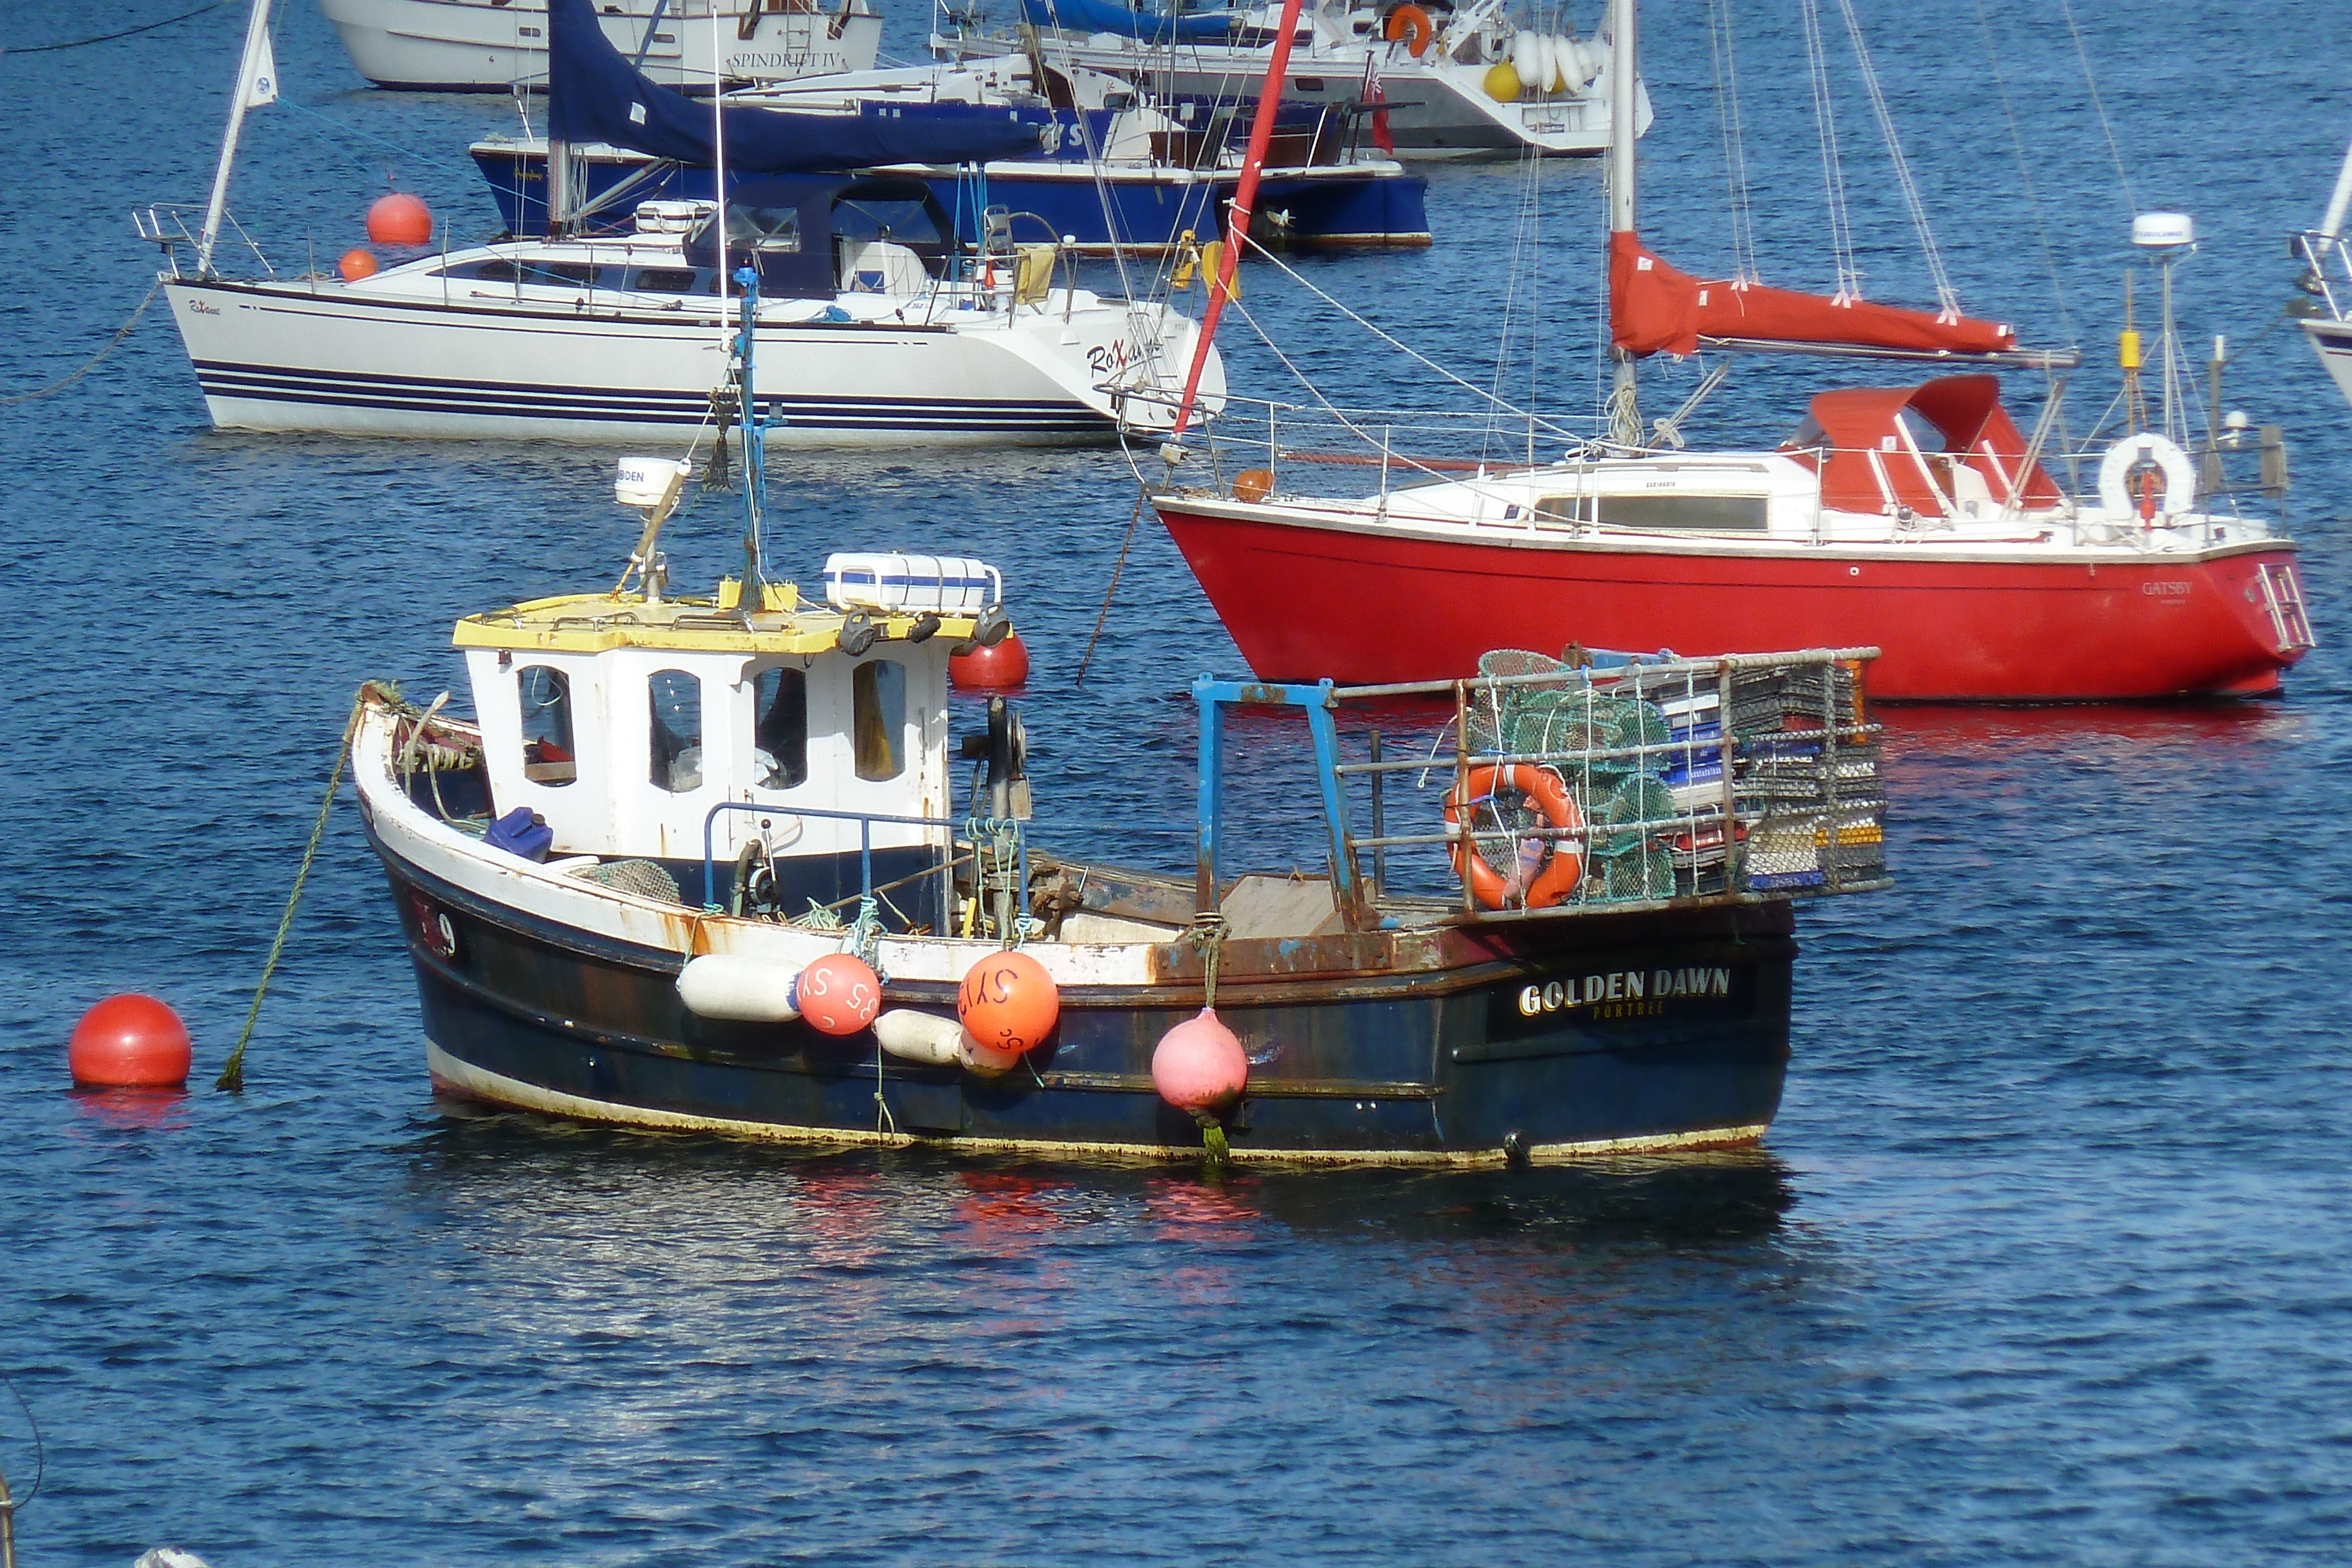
[{"x": 1623, "y": 986}]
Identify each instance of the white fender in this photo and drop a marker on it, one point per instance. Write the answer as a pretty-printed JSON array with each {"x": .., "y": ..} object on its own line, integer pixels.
[
  {"x": 745, "y": 990},
  {"x": 987, "y": 1061},
  {"x": 1588, "y": 62},
  {"x": 2179, "y": 475},
  {"x": 1525, "y": 60},
  {"x": 1563, "y": 65},
  {"x": 921, "y": 1037}
]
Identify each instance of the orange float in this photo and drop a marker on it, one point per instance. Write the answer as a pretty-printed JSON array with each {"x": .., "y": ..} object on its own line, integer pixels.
[
  {"x": 358, "y": 262},
  {"x": 1008, "y": 1003},
  {"x": 838, "y": 994},
  {"x": 1005, "y": 664},
  {"x": 1252, "y": 484},
  {"x": 130, "y": 1041},
  {"x": 1565, "y": 867},
  {"x": 1413, "y": 24},
  {"x": 400, "y": 219}
]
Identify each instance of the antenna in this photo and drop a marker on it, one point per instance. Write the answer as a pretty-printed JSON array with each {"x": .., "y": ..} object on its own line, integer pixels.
[{"x": 2168, "y": 238}]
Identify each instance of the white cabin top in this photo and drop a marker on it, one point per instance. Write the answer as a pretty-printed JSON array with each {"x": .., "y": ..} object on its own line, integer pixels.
[{"x": 623, "y": 722}]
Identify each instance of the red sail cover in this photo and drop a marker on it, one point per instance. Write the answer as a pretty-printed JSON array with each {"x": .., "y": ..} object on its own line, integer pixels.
[
  {"x": 1878, "y": 461},
  {"x": 1652, "y": 309}
]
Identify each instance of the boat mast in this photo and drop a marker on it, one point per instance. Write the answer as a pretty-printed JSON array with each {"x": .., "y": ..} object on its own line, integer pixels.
[
  {"x": 257, "y": 84},
  {"x": 1624, "y": 395},
  {"x": 1237, "y": 217}
]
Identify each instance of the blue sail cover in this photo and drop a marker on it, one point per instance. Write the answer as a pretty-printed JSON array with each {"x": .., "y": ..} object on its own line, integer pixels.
[
  {"x": 594, "y": 95},
  {"x": 1113, "y": 16}
]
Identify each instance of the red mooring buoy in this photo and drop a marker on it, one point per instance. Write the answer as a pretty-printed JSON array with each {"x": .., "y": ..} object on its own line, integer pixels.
[
  {"x": 400, "y": 219},
  {"x": 358, "y": 262},
  {"x": 989, "y": 669},
  {"x": 130, "y": 1041}
]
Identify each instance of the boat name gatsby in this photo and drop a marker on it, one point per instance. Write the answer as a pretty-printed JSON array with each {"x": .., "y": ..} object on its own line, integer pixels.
[{"x": 1623, "y": 986}]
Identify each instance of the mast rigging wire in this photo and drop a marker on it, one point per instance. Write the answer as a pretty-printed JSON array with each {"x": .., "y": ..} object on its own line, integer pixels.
[
  {"x": 1734, "y": 142},
  {"x": 1849, "y": 278},
  {"x": 2025, "y": 174},
  {"x": 1945, "y": 296},
  {"x": 2131, "y": 202}
]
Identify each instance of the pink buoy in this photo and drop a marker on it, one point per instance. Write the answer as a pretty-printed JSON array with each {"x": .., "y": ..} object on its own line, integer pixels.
[
  {"x": 1199, "y": 1066},
  {"x": 130, "y": 1041},
  {"x": 1005, "y": 664},
  {"x": 838, "y": 994},
  {"x": 400, "y": 219}
]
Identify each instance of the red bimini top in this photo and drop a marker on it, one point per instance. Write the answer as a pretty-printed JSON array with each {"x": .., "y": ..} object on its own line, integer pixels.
[{"x": 1910, "y": 447}]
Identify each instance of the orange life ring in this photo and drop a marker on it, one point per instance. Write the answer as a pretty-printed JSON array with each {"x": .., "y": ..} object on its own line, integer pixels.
[
  {"x": 1413, "y": 22},
  {"x": 1550, "y": 795}
]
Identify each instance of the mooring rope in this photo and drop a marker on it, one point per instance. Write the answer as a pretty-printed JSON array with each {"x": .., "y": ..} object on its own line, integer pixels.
[
  {"x": 232, "y": 1077},
  {"x": 1124, "y": 545},
  {"x": 92, "y": 362},
  {"x": 110, "y": 38}
]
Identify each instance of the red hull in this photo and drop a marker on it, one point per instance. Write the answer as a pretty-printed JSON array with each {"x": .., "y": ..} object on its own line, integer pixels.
[{"x": 1306, "y": 600}]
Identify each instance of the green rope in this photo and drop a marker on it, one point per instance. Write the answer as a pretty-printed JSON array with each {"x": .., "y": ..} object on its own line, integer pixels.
[
  {"x": 93, "y": 362},
  {"x": 232, "y": 1077}
]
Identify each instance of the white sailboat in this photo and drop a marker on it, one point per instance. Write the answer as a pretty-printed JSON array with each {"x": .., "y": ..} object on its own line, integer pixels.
[
  {"x": 493, "y": 45},
  {"x": 2328, "y": 280},
  {"x": 1472, "y": 81},
  {"x": 888, "y": 331}
]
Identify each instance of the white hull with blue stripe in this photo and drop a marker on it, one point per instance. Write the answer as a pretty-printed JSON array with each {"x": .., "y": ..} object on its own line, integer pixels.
[{"x": 623, "y": 340}]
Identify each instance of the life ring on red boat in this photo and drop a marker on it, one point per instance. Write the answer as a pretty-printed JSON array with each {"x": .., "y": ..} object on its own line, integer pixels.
[
  {"x": 1414, "y": 25},
  {"x": 1565, "y": 866},
  {"x": 2128, "y": 469}
]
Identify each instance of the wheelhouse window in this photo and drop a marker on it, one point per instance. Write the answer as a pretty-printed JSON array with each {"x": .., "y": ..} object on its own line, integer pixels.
[
  {"x": 780, "y": 729},
  {"x": 676, "y": 700},
  {"x": 548, "y": 756},
  {"x": 878, "y": 718}
]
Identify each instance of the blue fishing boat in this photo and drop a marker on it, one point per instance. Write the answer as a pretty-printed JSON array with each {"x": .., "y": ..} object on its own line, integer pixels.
[{"x": 701, "y": 861}]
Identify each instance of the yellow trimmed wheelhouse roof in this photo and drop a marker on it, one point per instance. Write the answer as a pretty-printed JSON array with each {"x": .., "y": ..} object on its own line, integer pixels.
[{"x": 592, "y": 623}]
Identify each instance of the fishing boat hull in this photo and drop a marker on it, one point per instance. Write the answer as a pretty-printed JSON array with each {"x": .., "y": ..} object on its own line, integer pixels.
[
  {"x": 1306, "y": 592},
  {"x": 285, "y": 357},
  {"x": 451, "y": 45},
  {"x": 1094, "y": 210},
  {"x": 1684, "y": 1044}
]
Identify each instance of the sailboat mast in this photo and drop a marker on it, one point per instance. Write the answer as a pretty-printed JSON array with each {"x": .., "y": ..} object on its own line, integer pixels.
[
  {"x": 1237, "y": 217},
  {"x": 1624, "y": 76},
  {"x": 256, "y": 82}
]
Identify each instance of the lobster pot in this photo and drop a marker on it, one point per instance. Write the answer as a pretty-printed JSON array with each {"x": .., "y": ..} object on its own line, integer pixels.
[{"x": 1765, "y": 700}]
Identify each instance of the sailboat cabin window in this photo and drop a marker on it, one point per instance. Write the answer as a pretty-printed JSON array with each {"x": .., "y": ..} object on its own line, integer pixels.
[
  {"x": 879, "y": 720},
  {"x": 676, "y": 700},
  {"x": 780, "y": 729},
  {"x": 764, "y": 229},
  {"x": 1697, "y": 513},
  {"x": 548, "y": 755}
]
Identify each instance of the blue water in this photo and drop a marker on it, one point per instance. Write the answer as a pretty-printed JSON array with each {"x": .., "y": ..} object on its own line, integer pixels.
[{"x": 2045, "y": 1260}]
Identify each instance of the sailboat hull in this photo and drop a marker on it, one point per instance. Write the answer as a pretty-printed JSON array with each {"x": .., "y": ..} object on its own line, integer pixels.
[
  {"x": 281, "y": 357},
  {"x": 1309, "y": 596},
  {"x": 2332, "y": 341}
]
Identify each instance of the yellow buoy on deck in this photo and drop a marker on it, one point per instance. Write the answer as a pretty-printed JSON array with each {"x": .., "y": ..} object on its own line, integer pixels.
[{"x": 1503, "y": 83}]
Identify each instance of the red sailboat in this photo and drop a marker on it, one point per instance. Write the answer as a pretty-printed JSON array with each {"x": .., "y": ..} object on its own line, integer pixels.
[{"x": 1919, "y": 519}]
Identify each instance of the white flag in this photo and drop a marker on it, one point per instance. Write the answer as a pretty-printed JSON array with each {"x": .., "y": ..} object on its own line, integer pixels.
[{"x": 260, "y": 74}]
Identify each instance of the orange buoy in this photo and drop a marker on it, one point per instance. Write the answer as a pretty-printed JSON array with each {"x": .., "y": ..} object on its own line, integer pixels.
[
  {"x": 838, "y": 994},
  {"x": 1005, "y": 664},
  {"x": 400, "y": 219},
  {"x": 130, "y": 1041},
  {"x": 1008, "y": 1003},
  {"x": 358, "y": 262},
  {"x": 1252, "y": 484},
  {"x": 1199, "y": 1066}
]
